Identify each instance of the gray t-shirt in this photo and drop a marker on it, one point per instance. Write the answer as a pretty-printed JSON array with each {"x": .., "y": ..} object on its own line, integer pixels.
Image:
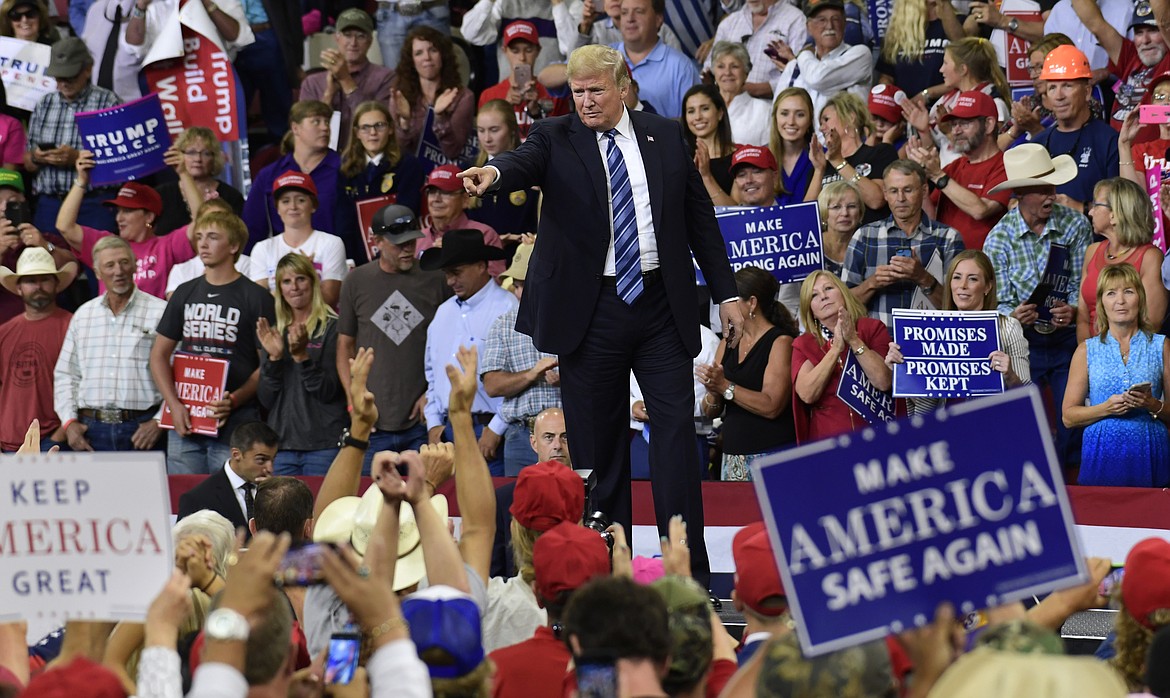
[{"x": 390, "y": 313}]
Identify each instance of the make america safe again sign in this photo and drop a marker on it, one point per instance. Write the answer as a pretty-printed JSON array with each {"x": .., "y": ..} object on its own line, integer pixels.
[
  {"x": 874, "y": 529},
  {"x": 83, "y": 535}
]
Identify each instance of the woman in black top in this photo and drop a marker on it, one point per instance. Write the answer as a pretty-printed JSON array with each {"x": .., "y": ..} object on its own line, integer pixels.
[{"x": 752, "y": 384}]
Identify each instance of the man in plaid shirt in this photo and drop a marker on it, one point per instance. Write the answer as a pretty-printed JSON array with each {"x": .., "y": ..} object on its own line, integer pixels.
[{"x": 900, "y": 262}]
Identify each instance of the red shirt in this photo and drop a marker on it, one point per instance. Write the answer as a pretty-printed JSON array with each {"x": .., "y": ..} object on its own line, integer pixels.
[
  {"x": 1135, "y": 78},
  {"x": 1150, "y": 153},
  {"x": 28, "y": 355},
  {"x": 552, "y": 106},
  {"x": 534, "y": 668},
  {"x": 979, "y": 178}
]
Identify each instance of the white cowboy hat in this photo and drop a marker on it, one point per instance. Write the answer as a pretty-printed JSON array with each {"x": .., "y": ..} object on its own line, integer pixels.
[
  {"x": 352, "y": 520},
  {"x": 1030, "y": 165},
  {"x": 34, "y": 261}
]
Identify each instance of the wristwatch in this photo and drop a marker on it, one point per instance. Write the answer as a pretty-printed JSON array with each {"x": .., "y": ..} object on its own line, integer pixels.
[
  {"x": 930, "y": 289},
  {"x": 1013, "y": 24},
  {"x": 942, "y": 182},
  {"x": 729, "y": 393},
  {"x": 227, "y": 625},
  {"x": 860, "y": 350},
  {"x": 348, "y": 440}
]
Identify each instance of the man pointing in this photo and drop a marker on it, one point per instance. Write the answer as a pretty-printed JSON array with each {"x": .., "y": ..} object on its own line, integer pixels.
[{"x": 610, "y": 286}]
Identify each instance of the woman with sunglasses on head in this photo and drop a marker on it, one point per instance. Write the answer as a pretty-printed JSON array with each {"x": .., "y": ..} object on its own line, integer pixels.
[
  {"x": 200, "y": 156},
  {"x": 373, "y": 165}
]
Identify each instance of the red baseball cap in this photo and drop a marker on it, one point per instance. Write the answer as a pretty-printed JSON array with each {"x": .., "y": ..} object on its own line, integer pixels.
[
  {"x": 136, "y": 195},
  {"x": 565, "y": 557},
  {"x": 521, "y": 30},
  {"x": 971, "y": 105},
  {"x": 1144, "y": 588},
  {"x": 1147, "y": 98},
  {"x": 757, "y": 577},
  {"x": 445, "y": 177},
  {"x": 756, "y": 155},
  {"x": 294, "y": 180},
  {"x": 884, "y": 102},
  {"x": 547, "y": 494},
  {"x": 80, "y": 677}
]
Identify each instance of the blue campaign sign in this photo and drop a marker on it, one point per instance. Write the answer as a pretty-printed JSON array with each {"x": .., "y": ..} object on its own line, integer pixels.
[
  {"x": 946, "y": 353},
  {"x": 1053, "y": 286},
  {"x": 430, "y": 149},
  {"x": 783, "y": 240},
  {"x": 128, "y": 141},
  {"x": 855, "y": 390},
  {"x": 872, "y": 530}
]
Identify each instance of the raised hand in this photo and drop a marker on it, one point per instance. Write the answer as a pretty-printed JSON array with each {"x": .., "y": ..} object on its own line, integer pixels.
[{"x": 270, "y": 339}]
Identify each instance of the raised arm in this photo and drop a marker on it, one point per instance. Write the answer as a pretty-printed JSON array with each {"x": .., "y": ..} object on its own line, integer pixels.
[
  {"x": 345, "y": 473},
  {"x": 473, "y": 482},
  {"x": 1109, "y": 38},
  {"x": 71, "y": 206}
]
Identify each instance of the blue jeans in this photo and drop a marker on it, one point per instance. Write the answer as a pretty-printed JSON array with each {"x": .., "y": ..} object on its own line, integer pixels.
[
  {"x": 496, "y": 465},
  {"x": 113, "y": 437},
  {"x": 260, "y": 66},
  {"x": 518, "y": 451},
  {"x": 195, "y": 454},
  {"x": 406, "y": 440},
  {"x": 303, "y": 462},
  {"x": 393, "y": 28},
  {"x": 1050, "y": 355}
]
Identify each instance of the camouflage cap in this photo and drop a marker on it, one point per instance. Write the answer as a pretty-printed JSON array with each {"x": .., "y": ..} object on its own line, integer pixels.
[
  {"x": 682, "y": 594},
  {"x": 1022, "y": 637},
  {"x": 691, "y": 651},
  {"x": 857, "y": 672}
]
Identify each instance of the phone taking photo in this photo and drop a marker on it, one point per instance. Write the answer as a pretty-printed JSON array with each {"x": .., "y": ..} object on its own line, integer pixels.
[
  {"x": 301, "y": 566},
  {"x": 596, "y": 676},
  {"x": 342, "y": 661},
  {"x": 521, "y": 75}
]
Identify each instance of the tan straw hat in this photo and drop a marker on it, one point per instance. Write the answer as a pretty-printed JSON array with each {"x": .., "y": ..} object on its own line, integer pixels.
[
  {"x": 34, "y": 261},
  {"x": 1030, "y": 165}
]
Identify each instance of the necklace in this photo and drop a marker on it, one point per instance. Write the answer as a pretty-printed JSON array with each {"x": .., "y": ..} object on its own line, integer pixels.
[{"x": 1111, "y": 255}]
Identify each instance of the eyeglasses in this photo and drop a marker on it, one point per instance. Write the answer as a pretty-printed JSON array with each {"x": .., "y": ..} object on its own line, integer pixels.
[
  {"x": 1165, "y": 97},
  {"x": 355, "y": 35},
  {"x": 17, "y": 15},
  {"x": 198, "y": 153},
  {"x": 831, "y": 18},
  {"x": 373, "y": 128},
  {"x": 1102, "y": 204},
  {"x": 848, "y": 207},
  {"x": 1034, "y": 69}
]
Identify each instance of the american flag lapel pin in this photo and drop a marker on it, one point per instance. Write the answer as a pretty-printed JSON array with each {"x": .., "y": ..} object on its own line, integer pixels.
[{"x": 649, "y": 139}]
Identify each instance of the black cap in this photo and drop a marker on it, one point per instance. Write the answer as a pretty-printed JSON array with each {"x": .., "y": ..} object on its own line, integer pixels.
[
  {"x": 396, "y": 223},
  {"x": 815, "y": 6}
]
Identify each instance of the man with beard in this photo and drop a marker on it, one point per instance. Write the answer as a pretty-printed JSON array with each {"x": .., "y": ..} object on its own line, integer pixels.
[
  {"x": 104, "y": 393},
  {"x": 899, "y": 262},
  {"x": 959, "y": 189},
  {"x": 29, "y": 345},
  {"x": 1136, "y": 62}
]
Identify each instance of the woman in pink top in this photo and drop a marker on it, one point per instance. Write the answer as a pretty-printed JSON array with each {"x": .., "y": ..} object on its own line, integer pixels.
[{"x": 138, "y": 207}]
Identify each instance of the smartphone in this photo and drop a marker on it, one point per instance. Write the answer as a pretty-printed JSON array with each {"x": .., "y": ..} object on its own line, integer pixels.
[
  {"x": 1111, "y": 582},
  {"x": 47, "y": 146},
  {"x": 904, "y": 252},
  {"x": 599, "y": 7},
  {"x": 521, "y": 75},
  {"x": 1154, "y": 114},
  {"x": 342, "y": 660},
  {"x": 301, "y": 565},
  {"x": 772, "y": 53},
  {"x": 1141, "y": 387},
  {"x": 596, "y": 676},
  {"x": 17, "y": 212}
]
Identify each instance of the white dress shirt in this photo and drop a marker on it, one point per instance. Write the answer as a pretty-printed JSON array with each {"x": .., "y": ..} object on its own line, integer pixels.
[
  {"x": 628, "y": 143},
  {"x": 844, "y": 68},
  {"x": 237, "y": 483}
]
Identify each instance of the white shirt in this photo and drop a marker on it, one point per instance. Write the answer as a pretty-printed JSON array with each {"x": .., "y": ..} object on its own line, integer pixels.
[
  {"x": 512, "y": 614},
  {"x": 844, "y": 68},
  {"x": 238, "y": 482},
  {"x": 783, "y": 22},
  {"x": 99, "y": 22},
  {"x": 636, "y": 169},
  {"x": 751, "y": 120},
  {"x": 160, "y": 11},
  {"x": 325, "y": 249},
  {"x": 193, "y": 268},
  {"x": 1064, "y": 19}
]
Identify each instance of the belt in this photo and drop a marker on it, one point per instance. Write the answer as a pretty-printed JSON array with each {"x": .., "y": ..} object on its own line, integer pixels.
[
  {"x": 482, "y": 417},
  {"x": 114, "y": 415},
  {"x": 261, "y": 27},
  {"x": 649, "y": 278},
  {"x": 409, "y": 9}
]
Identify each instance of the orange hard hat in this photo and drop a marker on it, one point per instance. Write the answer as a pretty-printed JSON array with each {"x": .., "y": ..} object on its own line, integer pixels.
[{"x": 1066, "y": 63}]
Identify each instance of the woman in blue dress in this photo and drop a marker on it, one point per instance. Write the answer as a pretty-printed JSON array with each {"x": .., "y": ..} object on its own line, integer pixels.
[{"x": 1123, "y": 371}]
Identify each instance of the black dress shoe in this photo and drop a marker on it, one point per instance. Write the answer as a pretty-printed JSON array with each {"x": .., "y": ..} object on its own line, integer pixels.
[{"x": 716, "y": 602}]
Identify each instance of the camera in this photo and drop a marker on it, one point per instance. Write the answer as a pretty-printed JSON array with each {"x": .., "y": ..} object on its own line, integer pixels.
[{"x": 598, "y": 521}]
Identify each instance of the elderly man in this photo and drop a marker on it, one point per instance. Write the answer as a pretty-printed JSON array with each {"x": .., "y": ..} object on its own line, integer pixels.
[
  {"x": 1091, "y": 143},
  {"x": 664, "y": 74},
  {"x": 349, "y": 78},
  {"x": 103, "y": 390},
  {"x": 959, "y": 190},
  {"x": 54, "y": 143},
  {"x": 829, "y": 65},
  {"x": 1041, "y": 241},
  {"x": 463, "y": 321},
  {"x": 899, "y": 262},
  {"x": 29, "y": 345},
  {"x": 760, "y": 25},
  {"x": 447, "y": 206}
]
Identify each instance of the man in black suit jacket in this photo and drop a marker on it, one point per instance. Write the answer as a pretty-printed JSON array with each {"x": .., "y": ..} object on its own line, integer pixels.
[
  {"x": 231, "y": 490},
  {"x": 571, "y": 306}
]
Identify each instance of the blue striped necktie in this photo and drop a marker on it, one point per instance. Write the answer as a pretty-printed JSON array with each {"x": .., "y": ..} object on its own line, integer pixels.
[{"x": 627, "y": 255}]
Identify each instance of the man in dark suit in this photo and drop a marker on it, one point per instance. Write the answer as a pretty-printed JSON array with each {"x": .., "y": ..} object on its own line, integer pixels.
[
  {"x": 232, "y": 490},
  {"x": 611, "y": 284}
]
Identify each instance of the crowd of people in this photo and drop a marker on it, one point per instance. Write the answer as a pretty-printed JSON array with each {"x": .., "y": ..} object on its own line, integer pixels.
[{"x": 410, "y": 234}]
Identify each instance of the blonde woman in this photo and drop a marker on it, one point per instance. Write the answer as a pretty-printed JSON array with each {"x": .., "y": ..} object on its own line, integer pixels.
[
  {"x": 841, "y": 211},
  {"x": 845, "y": 124},
  {"x": 202, "y": 157},
  {"x": 912, "y": 49},
  {"x": 299, "y": 385}
]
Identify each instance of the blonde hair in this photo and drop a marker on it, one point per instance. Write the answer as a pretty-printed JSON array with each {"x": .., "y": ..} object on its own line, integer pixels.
[
  {"x": 202, "y": 134},
  {"x": 508, "y": 114},
  {"x": 476, "y": 684},
  {"x": 523, "y": 542},
  {"x": 905, "y": 37},
  {"x": 300, "y": 111},
  {"x": 853, "y": 306},
  {"x": 319, "y": 312},
  {"x": 851, "y": 111},
  {"x": 835, "y": 191},
  {"x": 990, "y": 301},
  {"x": 1122, "y": 276},
  {"x": 353, "y": 160},
  {"x": 594, "y": 60},
  {"x": 775, "y": 142},
  {"x": 1132, "y": 642},
  {"x": 227, "y": 223},
  {"x": 1132, "y": 212},
  {"x": 982, "y": 62}
]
